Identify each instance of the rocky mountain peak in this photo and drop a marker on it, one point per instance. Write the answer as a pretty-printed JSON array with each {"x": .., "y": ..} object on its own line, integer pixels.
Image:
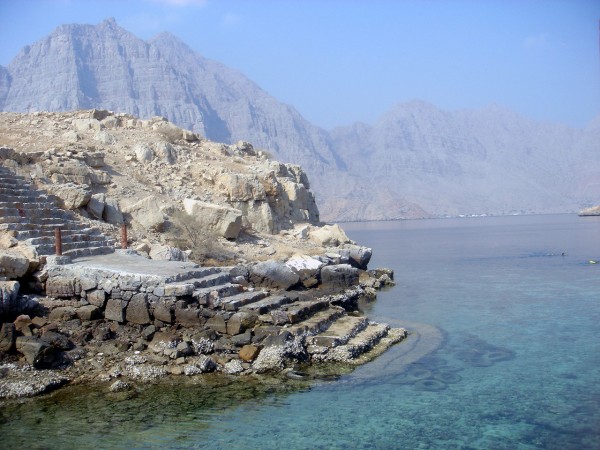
[{"x": 416, "y": 160}]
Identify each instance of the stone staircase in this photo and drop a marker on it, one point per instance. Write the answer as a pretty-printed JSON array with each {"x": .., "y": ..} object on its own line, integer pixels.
[
  {"x": 131, "y": 289},
  {"x": 126, "y": 288},
  {"x": 34, "y": 216}
]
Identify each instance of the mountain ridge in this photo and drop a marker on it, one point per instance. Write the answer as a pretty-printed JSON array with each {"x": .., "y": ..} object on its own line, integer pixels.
[{"x": 415, "y": 160}]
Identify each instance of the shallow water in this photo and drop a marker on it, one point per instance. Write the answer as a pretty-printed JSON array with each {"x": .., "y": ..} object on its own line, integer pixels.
[{"x": 504, "y": 354}]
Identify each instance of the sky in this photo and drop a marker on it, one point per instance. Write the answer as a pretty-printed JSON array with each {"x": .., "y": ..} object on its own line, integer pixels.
[{"x": 342, "y": 61}]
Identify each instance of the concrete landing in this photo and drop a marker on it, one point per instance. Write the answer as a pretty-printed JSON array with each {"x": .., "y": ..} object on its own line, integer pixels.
[{"x": 127, "y": 263}]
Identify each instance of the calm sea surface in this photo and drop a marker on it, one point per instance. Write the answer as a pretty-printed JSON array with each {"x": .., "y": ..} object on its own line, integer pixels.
[{"x": 505, "y": 354}]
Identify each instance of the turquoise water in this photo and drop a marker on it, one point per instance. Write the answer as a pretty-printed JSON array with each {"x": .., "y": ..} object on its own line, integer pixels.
[{"x": 505, "y": 354}]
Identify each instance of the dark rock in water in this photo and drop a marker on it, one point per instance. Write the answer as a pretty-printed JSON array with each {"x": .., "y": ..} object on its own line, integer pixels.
[
  {"x": 37, "y": 352},
  {"x": 7, "y": 337},
  {"x": 339, "y": 276},
  {"x": 273, "y": 274}
]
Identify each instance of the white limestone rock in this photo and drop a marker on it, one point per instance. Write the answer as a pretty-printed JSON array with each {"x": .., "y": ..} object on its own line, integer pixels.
[{"x": 224, "y": 221}]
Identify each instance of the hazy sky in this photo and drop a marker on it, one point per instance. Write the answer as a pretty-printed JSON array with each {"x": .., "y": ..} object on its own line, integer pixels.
[{"x": 343, "y": 61}]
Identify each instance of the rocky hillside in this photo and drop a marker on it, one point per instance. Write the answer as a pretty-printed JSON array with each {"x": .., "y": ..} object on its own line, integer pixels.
[
  {"x": 223, "y": 203},
  {"x": 415, "y": 161}
]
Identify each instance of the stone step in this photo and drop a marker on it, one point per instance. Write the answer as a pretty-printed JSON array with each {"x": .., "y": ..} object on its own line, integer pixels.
[
  {"x": 199, "y": 276},
  {"x": 68, "y": 238},
  {"x": 89, "y": 251},
  {"x": 188, "y": 288},
  {"x": 340, "y": 331},
  {"x": 78, "y": 249},
  {"x": 33, "y": 203},
  {"x": 317, "y": 322},
  {"x": 359, "y": 344},
  {"x": 215, "y": 295},
  {"x": 235, "y": 302},
  {"x": 27, "y": 198},
  {"x": 32, "y": 231},
  {"x": 297, "y": 311},
  {"x": 268, "y": 304}
]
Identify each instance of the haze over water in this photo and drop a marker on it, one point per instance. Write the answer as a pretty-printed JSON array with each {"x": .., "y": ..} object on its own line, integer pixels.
[{"x": 505, "y": 356}]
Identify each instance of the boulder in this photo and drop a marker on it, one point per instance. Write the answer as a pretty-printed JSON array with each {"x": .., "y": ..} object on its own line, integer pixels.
[
  {"x": 329, "y": 236},
  {"x": 147, "y": 214},
  {"x": 7, "y": 239},
  {"x": 143, "y": 153},
  {"x": 89, "y": 312},
  {"x": 86, "y": 124},
  {"x": 164, "y": 340},
  {"x": 217, "y": 323},
  {"x": 37, "y": 352},
  {"x": 273, "y": 274},
  {"x": 224, "y": 221},
  {"x": 62, "y": 314},
  {"x": 167, "y": 253},
  {"x": 357, "y": 256},
  {"x": 71, "y": 195},
  {"x": 95, "y": 206},
  {"x": 240, "y": 322},
  {"x": 112, "y": 212},
  {"x": 339, "y": 276},
  {"x": 249, "y": 352},
  {"x": 188, "y": 317},
  {"x": 57, "y": 340},
  {"x": 166, "y": 151},
  {"x": 9, "y": 296},
  {"x": 7, "y": 337},
  {"x": 307, "y": 268},
  {"x": 13, "y": 264}
]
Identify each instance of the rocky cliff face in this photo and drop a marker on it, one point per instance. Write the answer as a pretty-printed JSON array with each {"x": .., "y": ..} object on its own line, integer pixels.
[{"x": 415, "y": 161}]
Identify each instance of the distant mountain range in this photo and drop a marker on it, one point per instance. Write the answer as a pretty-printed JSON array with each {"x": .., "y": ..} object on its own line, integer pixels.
[{"x": 415, "y": 161}]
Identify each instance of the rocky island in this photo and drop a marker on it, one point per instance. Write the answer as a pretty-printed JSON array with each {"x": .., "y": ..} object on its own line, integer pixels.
[{"x": 133, "y": 249}]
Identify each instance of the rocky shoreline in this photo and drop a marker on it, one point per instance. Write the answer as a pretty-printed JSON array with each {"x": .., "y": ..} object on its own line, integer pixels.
[
  {"x": 132, "y": 250},
  {"x": 49, "y": 353}
]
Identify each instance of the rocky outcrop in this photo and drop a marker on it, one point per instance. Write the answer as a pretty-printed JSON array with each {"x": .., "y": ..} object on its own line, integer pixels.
[{"x": 592, "y": 211}]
